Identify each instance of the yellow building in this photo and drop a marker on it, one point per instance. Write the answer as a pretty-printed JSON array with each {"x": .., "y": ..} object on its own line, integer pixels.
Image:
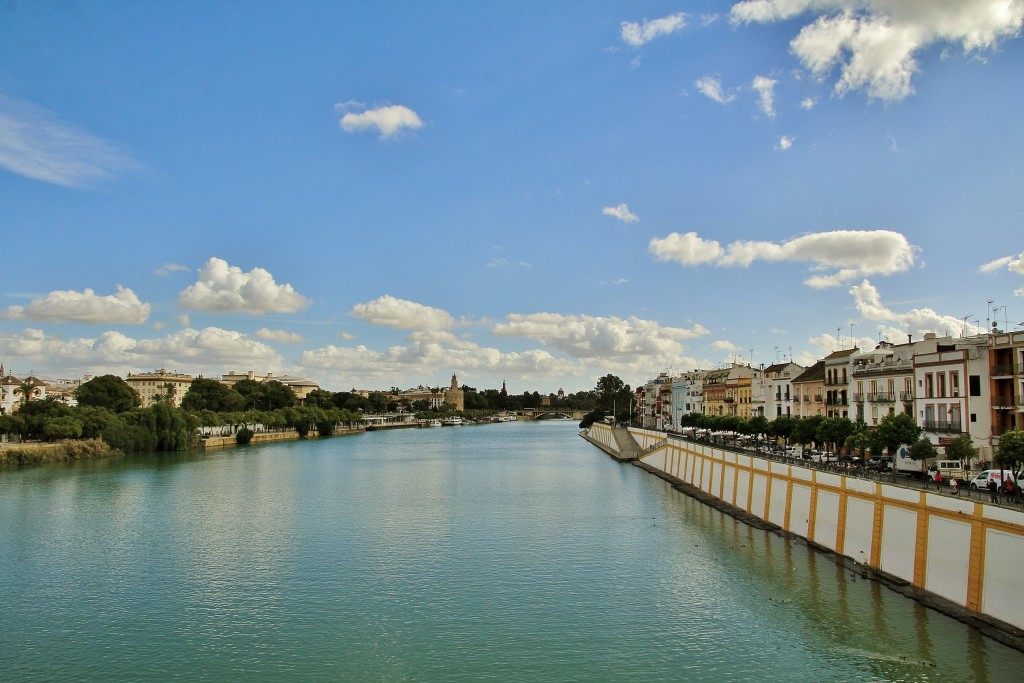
[{"x": 160, "y": 386}]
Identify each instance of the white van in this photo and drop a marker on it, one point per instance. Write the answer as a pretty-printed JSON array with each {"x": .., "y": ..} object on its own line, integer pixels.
[{"x": 980, "y": 482}]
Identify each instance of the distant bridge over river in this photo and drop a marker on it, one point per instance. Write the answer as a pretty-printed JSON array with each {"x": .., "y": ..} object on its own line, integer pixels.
[{"x": 551, "y": 414}]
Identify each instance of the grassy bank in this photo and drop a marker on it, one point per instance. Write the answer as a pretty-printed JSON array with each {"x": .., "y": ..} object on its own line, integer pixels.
[{"x": 60, "y": 451}]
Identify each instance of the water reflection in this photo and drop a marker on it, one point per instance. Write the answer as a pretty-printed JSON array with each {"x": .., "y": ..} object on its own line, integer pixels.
[{"x": 513, "y": 552}]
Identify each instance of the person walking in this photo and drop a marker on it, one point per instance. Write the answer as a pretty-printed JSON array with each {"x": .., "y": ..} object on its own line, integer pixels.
[
  {"x": 954, "y": 486},
  {"x": 938, "y": 480}
]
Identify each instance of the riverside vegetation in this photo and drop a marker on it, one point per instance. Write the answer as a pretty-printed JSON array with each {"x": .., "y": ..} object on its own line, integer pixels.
[{"x": 109, "y": 419}]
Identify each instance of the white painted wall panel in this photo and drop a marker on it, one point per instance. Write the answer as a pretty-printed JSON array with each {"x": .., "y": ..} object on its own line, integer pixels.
[
  {"x": 760, "y": 489},
  {"x": 800, "y": 509},
  {"x": 1004, "y": 581},
  {"x": 860, "y": 521},
  {"x": 777, "y": 503},
  {"x": 826, "y": 519},
  {"x": 949, "y": 552},
  {"x": 899, "y": 535}
]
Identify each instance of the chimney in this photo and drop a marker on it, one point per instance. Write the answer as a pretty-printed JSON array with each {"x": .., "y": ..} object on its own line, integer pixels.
[{"x": 910, "y": 339}]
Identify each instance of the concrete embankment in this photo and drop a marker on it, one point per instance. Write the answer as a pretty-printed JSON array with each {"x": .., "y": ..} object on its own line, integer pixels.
[{"x": 961, "y": 558}]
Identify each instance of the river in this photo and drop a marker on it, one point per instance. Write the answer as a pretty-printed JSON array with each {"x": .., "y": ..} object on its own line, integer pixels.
[{"x": 507, "y": 552}]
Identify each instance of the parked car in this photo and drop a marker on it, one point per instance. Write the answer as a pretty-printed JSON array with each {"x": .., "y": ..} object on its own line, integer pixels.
[
  {"x": 882, "y": 463},
  {"x": 850, "y": 460},
  {"x": 980, "y": 482}
]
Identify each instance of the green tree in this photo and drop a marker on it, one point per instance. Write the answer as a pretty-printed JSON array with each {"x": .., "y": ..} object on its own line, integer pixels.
[
  {"x": 892, "y": 430},
  {"x": 209, "y": 394},
  {"x": 64, "y": 427},
  {"x": 1010, "y": 453},
  {"x": 923, "y": 450},
  {"x": 961, "y": 448},
  {"x": 107, "y": 391}
]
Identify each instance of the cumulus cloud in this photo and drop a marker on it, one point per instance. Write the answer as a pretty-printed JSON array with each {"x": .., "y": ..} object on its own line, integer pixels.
[
  {"x": 873, "y": 43},
  {"x": 422, "y": 359},
  {"x": 621, "y": 212},
  {"x": 1015, "y": 264},
  {"x": 711, "y": 87},
  {"x": 226, "y": 289},
  {"x": 765, "y": 88},
  {"x": 389, "y": 120},
  {"x": 784, "y": 143},
  {"x": 724, "y": 345},
  {"x": 895, "y": 325},
  {"x": 36, "y": 144},
  {"x": 584, "y": 336},
  {"x": 83, "y": 307},
  {"x": 201, "y": 351},
  {"x": 402, "y": 314},
  {"x": 637, "y": 34},
  {"x": 280, "y": 336},
  {"x": 848, "y": 253},
  {"x": 808, "y": 103}
]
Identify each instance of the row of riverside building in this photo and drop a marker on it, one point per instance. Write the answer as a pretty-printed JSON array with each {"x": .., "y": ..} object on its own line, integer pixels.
[{"x": 951, "y": 386}]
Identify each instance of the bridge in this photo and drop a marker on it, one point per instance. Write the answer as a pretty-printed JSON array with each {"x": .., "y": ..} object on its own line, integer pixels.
[{"x": 551, "y": 414}]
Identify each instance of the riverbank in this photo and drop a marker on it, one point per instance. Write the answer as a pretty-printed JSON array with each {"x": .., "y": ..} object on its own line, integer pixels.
[
  {"x": 777, "y": 494},
  {"x": 22, "y": 454},
  {"x": 270, "y": 437}
]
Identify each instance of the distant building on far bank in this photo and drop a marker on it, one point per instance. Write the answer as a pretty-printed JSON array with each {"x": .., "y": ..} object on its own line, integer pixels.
[
  {"x": 455, "y": 396},
  {"x": 299, "y": 386},
  {"x": 160, "y": 386}
]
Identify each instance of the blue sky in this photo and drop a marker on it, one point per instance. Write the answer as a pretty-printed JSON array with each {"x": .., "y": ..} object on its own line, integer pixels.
[{"x": 383, "y": 194}]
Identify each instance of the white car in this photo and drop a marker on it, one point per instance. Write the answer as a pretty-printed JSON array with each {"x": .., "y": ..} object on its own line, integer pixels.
[{"x": 980, "y": 482}]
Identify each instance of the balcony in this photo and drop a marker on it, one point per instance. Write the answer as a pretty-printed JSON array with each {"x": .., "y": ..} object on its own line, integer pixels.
[
  {"x": 796, "y": 399},
  {"x": 858, "y": 398},
  {"x": 817, "y": 399},
  {"x": 906, "y": 396},
  {"x": 941, "y": 427},
  {"x": 1002, "y": 370},
  {"x": 1005, "y": 402},
  {"x": 882, "y": 397}
]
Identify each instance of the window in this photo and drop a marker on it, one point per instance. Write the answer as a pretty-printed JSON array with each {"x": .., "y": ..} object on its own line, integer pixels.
[
  {"x": 929, "y": 385},
  {"x": 974, "y": 385},
  {"x": 940, "y": 379},
  {"x": 954, "y": 384}
]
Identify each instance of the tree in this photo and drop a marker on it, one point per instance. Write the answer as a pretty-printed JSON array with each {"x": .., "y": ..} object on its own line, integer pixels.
[
  {"x": 892, "y": 430},
  {"x": 961, "y": 448},
  {"x": 1010, "y": 453},
  {"x": 108, "y": 391},
  {"x": 923, "y": 449},
  {"x": 209, "y": 394},
  {"x": 65, "y": 427}
]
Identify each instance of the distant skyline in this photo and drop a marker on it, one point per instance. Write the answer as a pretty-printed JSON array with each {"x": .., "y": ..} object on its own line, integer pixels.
[{"x": 384, "y": 194}]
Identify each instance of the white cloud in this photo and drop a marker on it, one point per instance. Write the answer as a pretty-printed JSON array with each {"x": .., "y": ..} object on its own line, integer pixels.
[
  {"x": 711, "y": 87},
  {"x": 724, "y": 345},
  {"x": 169, "y": 268},
  {"x": 896, "y": 326},
  {"x": 765, "y": 88},
  {"x": 362, "y": 366},
  {"x": 206, "y": 351},
  {"x": 83, "y": 307},
  {"x": 402, "y": 314},
  {"x": 226, "y": 289},
  {"x": 621, "y": 212},
  {"x": 389, "y": 120},
  {"x": 589, "y": 337},
  {"x": 873, "y": 42},
  {"x": 36, "y": 144},
  {"x": 637, "y": 34},
  {"x": 280, "y": 336},
  {"x": 1015, "y": 264},
  {"x": 784, "y": 143},
  {"x": 808, "y": 103},
  {"x": 851, "y": 253}
]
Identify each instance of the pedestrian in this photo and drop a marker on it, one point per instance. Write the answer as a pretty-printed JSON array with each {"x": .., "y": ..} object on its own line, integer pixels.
[
  {"x": 993, "y": 490},
  {"x": 954, "y": 486},
  {"x": 938, "y": 480}
]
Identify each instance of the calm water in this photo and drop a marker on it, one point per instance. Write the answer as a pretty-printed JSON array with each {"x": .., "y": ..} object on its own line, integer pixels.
[{"x": 510, "y": 552}]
